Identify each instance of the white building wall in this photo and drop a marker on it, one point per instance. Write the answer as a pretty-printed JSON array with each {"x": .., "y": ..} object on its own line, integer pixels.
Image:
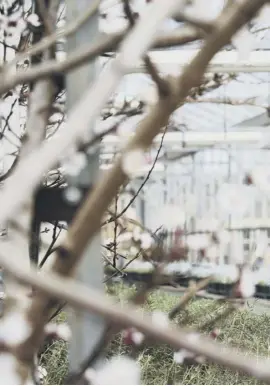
[{"x": 203, "y": 181}]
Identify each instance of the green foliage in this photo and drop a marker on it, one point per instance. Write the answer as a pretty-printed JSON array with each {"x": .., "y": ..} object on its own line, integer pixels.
[{"x": 244, "y": 329}]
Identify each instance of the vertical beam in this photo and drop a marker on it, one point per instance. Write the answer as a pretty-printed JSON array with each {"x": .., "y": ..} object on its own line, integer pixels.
[{"x": 86, "y": 328}]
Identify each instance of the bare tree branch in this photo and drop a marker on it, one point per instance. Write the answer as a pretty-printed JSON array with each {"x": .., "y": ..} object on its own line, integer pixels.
[
  {"x": 80, "y": 56},
  {"x": 141, "y": 186},
  {"x": 162, "y": 85}
]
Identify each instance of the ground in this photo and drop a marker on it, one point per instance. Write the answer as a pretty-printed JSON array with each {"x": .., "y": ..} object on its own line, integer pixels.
[{"x": 244, "y": 329}]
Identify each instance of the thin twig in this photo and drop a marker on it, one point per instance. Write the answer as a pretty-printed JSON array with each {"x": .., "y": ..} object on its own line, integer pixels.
[
  {"x": 123, "y": 211},
  {"x": 50, "y": 248},
  {"x": 4, "y": 176},
  {"x": 115, "y": 232},
  {"x": 81, "y": 55}
]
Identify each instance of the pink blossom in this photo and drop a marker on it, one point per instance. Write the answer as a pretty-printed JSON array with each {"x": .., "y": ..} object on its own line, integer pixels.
[{"x": 131, "y": 336}]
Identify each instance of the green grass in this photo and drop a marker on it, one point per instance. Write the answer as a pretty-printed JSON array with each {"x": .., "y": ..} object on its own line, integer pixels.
[{"x": 243, "y": 329}]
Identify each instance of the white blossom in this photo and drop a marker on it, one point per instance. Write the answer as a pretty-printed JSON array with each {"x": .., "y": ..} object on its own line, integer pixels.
[
  {"x": 89, "y": 375},
  {"x": 138, "y": 337},
  {"x": 198, "y": 241},
  {"x": 3, "y": 21},
  {"x": 126, "y": 236},
  {"x": 14, "y": 328},
  {"x": 34, "y": 20},
  {"x": 18, "y": 27},
  {"x": 61, "y": 330},
  {"x": 64, "y": 331},
  {"x": 119, "y": 101},
  {"x": 146, "y": 241},
  {"x": 137, "y": 233},
  {"x": 245, "y": 42},
  {"x": 160, "y": 319},
  {"x": 133, "y": 336},
  {"x": 133, "y": 250},
  {"x": 215, "y": 333},
  {"x": 8, "y": 370},
  {"x": 73, "y": 194},
  {"x": 11, "y": 27},
  {"x": 118, "y": 371},
  {"x": 132, "y": 162},
  {"x": 41, "y": 373},
  {"x": 129, "y": 99},
  {"x": 181, "y": 355},
  {"x": 75, "y": 164},
  {"x": 134, "y": 104},
  {"x": 21, "y": 25},
  {"x": 113, "y": 111},
  {"x": 247, "y": 283}
]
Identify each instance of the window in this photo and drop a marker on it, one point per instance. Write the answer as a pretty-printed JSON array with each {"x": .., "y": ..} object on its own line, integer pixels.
[
  {"x": 246, "y": 234},
  {"x": 268, "y": 236},
  {"x": 192, "y": 223},
  {"x": 246, "y": 247}
]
